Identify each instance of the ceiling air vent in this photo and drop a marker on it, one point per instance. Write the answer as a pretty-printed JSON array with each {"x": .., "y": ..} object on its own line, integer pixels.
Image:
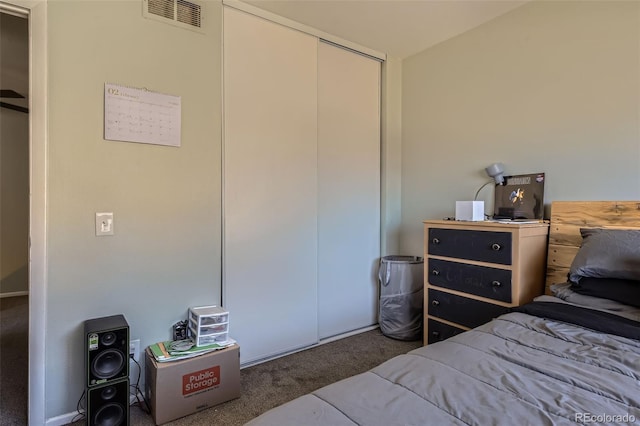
[{"x": 182, "y": 13}]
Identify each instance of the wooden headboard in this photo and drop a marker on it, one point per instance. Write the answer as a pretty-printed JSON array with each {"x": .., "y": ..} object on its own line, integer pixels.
[{"x": 567, "y": 217}]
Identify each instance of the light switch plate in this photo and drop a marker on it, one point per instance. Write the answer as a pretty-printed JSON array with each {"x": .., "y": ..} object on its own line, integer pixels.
[{"x": 104, "y": 224}]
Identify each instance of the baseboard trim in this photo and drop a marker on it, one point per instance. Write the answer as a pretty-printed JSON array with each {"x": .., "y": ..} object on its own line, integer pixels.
[
  {"x": 321, "y": 342},
  {"x": 348, "y": 334},
  {"x": 65, "y": 419},
  {"x": 14, "y": 294},
  {"x": 61, "y": 420}
]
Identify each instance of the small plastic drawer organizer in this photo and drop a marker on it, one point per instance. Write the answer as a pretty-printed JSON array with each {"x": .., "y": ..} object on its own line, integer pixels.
[{"x": 209, "y": 324}]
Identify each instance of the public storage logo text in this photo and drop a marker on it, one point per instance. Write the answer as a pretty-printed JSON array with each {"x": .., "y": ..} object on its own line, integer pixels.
[{"x": 200, "y": 380}]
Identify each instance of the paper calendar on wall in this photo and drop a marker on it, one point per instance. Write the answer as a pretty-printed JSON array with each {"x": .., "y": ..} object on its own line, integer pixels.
[{"x": 139, "y": 115}]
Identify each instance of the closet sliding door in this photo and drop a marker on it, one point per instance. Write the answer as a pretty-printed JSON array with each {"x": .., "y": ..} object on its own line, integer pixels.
[
  {"x": 348, "y": 189},
  {"x": 270, "y": 185}
]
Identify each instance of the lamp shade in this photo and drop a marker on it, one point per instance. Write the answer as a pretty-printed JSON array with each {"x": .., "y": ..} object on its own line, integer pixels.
[{"x": 496, "y": 171}]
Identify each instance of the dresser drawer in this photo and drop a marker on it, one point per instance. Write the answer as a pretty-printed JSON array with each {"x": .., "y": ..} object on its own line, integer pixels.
[
  {"x": 482, "y": 246},
  {"x": 439, "y": 331},
  {"x": 481, "y": 281},
  {"x": 461, "y": 310}
]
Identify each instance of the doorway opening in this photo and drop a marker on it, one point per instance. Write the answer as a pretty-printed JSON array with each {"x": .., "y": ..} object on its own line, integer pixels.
[{"x": 14, "y": 215}]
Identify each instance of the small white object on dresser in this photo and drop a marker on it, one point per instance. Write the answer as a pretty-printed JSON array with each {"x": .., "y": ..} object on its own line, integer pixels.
[{"x": 470, "y": 210}]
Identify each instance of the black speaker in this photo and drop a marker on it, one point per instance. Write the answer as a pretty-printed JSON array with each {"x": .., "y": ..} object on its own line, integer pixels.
[
  {"x": 106, "y": 348},
  {"x": 108, "y": 404}
]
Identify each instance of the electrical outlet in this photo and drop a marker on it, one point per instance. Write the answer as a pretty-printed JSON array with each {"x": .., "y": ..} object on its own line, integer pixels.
[
  {"x": 135, "y": 368},
  {"x": 134, "y": 349}
]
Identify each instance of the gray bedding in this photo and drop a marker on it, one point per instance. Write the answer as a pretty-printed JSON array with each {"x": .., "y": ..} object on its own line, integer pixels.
[{"x": 518, "y": 369}]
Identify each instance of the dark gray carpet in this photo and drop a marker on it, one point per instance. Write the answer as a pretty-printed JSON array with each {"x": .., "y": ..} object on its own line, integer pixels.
[
  {"x": 14, "y": 360},
  {"x": 273, "y": 383},
  {"x": 263, "y": 386}
]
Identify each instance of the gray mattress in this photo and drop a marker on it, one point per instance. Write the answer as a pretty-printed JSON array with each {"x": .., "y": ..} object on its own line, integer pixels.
[{"x": 519, "y": 369}]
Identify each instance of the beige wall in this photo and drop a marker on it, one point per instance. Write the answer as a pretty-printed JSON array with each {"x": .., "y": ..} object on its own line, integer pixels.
[
  {"x": 14, "y": 201},
  {"x": 549, "y": 87},
  {"x": 14, "y": 157},
  {"x": 165, "y": 254}
]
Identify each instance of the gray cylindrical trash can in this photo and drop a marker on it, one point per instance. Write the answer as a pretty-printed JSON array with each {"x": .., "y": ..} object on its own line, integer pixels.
[{"x": 401, "y": 297}]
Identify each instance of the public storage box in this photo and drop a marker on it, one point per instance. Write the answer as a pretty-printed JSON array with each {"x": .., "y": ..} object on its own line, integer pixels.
[{"x": 178, "y": 388}]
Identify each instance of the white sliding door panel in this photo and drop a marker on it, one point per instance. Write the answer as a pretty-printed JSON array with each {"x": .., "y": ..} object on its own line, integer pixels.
[
  {"x": 270, "y": 185},
  {"x": 348, "y": 189}
]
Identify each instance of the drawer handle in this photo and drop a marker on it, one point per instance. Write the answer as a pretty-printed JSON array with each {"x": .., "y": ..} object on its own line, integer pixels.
[
  {"x": 435, "y": 241},
  {"x": 496, "y": 247},
  {"x": 435, "y": 333},
  {"x": 496, "y": 284},
  {"x": 435, "y": 272},
  {"x": 435, "y": 303}
]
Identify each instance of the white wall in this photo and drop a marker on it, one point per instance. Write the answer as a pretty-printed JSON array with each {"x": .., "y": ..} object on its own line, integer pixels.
[
  {"x": 165, "y": 254},
  {"x": 549, "y": 87}
]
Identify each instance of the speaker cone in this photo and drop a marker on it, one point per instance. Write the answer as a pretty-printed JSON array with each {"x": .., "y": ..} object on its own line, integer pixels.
[
  {"x": 107, "y": 364},
  {"x": 109, "y": 415},
  {"x": 108, "y": 393},
  {"x": 108, "y": 339}
]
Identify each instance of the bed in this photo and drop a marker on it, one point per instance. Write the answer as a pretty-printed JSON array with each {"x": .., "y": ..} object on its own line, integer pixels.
[{"x": 571, "y": 356}]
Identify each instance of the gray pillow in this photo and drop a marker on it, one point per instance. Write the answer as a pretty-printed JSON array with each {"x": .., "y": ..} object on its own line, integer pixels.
[
  {"x": 607, "y": 253},
  {"x": 563, "y": 291},
  {"x": 623, "y": 291}
]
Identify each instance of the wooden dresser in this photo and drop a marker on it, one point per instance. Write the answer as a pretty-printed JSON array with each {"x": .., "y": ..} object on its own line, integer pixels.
[{"x": 475, "y": 271}]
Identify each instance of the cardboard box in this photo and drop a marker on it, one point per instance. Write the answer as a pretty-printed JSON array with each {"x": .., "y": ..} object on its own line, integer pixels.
[
  {"x": 470, "y": 210},
  {"x": 178, "y": 388}
]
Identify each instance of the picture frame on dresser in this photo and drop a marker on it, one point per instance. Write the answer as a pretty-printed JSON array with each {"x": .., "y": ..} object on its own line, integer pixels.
[{"x": 476, "y": 271}]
